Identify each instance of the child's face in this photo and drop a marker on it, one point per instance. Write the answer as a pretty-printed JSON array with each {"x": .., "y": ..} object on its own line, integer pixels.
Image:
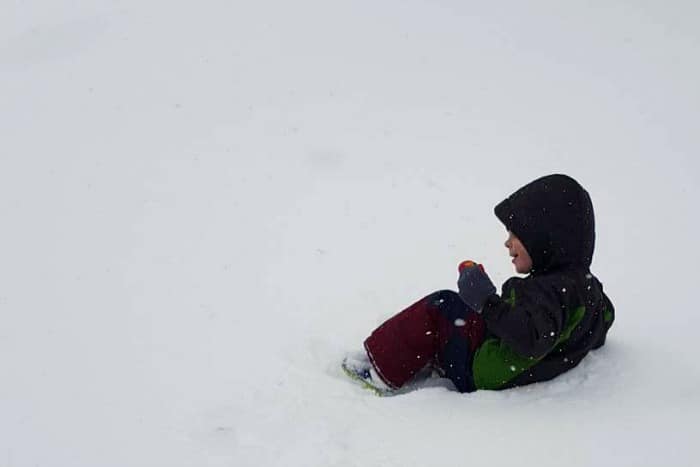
[{"x": 521, "y": 258}]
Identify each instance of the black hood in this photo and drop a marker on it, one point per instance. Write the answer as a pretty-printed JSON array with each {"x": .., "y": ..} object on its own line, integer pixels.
[{"x": 553, "y": 218}]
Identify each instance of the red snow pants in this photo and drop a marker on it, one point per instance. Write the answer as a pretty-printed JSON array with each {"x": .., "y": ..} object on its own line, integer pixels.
[{"x": 438, "y": 330}]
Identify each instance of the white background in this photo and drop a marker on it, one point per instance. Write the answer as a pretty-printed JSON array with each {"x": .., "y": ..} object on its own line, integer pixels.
[{"x": 205, "y": 205}]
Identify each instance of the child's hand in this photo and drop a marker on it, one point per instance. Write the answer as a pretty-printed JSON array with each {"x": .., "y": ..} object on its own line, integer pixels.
[{"x": 474, "y": 285}]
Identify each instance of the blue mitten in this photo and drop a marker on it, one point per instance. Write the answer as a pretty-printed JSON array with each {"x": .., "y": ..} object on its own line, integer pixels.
[{"x": 474, "y": 285}]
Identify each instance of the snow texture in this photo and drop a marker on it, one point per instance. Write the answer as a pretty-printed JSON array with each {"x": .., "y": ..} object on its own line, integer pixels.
[{"x": 205, "y": 205}]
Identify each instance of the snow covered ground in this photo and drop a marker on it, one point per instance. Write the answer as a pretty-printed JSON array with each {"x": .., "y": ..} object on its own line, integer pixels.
[{"x": 206, "y": 204}]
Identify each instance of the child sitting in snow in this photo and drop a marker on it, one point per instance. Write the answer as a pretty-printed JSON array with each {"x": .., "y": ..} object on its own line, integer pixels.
[{"x": 539, "y": 327}]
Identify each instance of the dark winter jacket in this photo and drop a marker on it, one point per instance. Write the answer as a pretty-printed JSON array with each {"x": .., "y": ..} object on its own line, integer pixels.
[{"x": 544, "y": 324}]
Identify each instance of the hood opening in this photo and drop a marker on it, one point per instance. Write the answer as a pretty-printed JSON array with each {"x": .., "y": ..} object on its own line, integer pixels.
[{"x": 553, "y": 218}]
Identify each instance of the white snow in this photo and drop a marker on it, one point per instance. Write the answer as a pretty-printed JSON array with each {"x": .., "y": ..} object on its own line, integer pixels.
[{"x": 205, "y": 205}]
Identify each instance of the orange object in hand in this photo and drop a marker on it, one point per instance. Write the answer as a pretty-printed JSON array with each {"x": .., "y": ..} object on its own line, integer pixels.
[{"x": 469, "y": 264}]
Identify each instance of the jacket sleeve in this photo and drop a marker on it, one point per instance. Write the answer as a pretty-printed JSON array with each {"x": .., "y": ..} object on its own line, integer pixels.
[{"x": 528, "y": 316}]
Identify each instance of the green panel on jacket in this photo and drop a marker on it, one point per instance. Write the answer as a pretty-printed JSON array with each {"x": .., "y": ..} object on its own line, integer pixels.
[{"x": 495, "y": 363}]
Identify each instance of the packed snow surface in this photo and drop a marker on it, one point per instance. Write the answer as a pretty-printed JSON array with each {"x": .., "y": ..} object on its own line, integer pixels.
[{"x": 205, "y": 205}]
